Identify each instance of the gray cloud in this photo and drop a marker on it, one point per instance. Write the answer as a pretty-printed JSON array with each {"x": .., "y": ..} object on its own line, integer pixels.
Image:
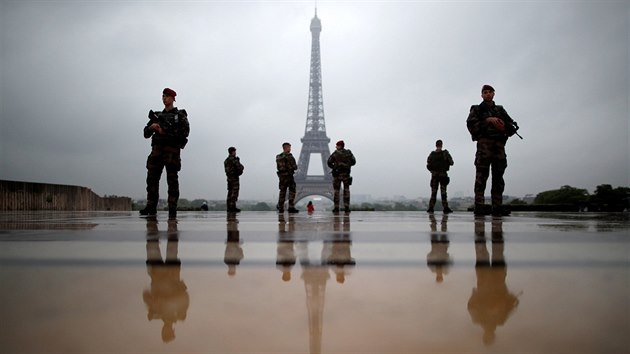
[{"x": 79, "y": 77}]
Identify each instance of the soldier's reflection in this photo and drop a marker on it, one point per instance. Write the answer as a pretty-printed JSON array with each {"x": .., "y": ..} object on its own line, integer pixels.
[
  {"x": 167, "y": 298},
  {"x": 336, "y": 250},
  {"x": 285, "y": 255},
  {"x": 491, "y": 302},
  {"x": 233, "y": 250},
  {"x": 438, "y": 259}
]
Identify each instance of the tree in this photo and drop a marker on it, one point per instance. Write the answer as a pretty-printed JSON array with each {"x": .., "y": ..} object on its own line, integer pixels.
[
  {"x": 564, "y": 195},
  {"x": 261, "y": 206},
  {"x": 606, "y": 198}
]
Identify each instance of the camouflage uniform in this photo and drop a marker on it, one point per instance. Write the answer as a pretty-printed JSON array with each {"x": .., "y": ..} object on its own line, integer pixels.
[
  {"x": 286, "y": 165},
  {"x": 439, "y": 162},
  {"x": 490, "y": 150},
  {"x": 165, "y": 153},
  {"x": 233, "y": 169},
  {"x": 341, "y": 162}
]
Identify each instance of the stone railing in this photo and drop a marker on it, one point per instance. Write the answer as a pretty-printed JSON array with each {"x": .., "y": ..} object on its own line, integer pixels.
[{"x": 15, "y": 195}]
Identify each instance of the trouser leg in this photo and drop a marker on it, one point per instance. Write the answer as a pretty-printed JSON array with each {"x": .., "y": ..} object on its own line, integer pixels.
[
  {"x": 336, "y": 188},
  {"x": 434, "y": 188},
  {"x": 292, "y": 193},
  {"x": 173, "y": 187},
  {"x": 481, "y": 178},
  {"x": 155, "y": 165},
  {"x": 443, "y": 195},
  {"x": 346, "y": 195},
  {"x": 281, "y": 198}
]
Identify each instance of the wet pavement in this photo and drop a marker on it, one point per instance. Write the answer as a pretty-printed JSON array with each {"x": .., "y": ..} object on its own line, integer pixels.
[{"x": 367, "y": 282}]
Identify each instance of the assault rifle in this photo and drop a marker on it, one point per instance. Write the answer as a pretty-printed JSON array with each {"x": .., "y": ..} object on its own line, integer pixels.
[
  {"x": 515, "y": 127},
  {"x": 161, "y": 120}
]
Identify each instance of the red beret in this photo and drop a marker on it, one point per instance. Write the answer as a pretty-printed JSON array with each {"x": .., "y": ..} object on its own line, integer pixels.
[
  {"x": 341, "y": 143},
  {"x": 167, "y": 91}
]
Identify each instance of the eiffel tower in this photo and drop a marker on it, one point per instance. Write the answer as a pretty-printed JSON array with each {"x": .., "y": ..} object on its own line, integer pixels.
[{"x": 315, "y": 140}]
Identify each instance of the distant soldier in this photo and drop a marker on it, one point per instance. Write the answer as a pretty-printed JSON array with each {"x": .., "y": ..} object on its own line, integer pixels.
[
  {"x": 233, "y": 170},
  {"x": 341, "y": 161},
  {"x": 438, "y": 163},
  {"x": 286, "y": 165},
  {"x": 168, "y": 131},
  {"x": 490, "y": 126}
]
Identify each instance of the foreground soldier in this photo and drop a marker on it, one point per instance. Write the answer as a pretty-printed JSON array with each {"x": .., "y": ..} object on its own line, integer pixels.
[
  {"x": 233, "y": 169},
  {"x": 168, "y": 131},
  {"x": 286, "y": 165},
  {"x": 490, "y": 126},
  {"x": 341, "y": 162},
  {"x": 439, "y": 162}
]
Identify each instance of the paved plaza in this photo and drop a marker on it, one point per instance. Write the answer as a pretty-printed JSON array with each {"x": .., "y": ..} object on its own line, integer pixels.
[{"x": 367, "y": 282}]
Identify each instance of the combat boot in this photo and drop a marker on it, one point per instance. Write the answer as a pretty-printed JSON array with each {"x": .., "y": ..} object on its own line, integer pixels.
[
  {"x": 500, "y": 210},
  {"x": 148, "y": 211},
  {"x": 447, "y": 210},
  {"x": 293, "y": 210},
  {"x": 430, "y": 211},
  {"x": 483, "y": 209}
]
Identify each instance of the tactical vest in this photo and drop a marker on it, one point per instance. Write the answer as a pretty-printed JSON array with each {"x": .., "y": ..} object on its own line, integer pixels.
[
  {"x": 285, "y": 164},
  {"x": 233, "y": 167},
  {"x": 341, "y": 162},
  {"x": 490, "y": 131},
  {"x": 171, "y": 123},
  {"x": 438, "y": 161}
]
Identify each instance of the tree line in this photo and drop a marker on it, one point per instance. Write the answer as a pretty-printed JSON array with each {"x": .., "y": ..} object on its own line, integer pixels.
[{"x": 605, "y": 198}]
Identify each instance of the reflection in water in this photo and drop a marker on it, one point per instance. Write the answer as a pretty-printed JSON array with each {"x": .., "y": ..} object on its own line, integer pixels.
[
  {"x": 335, "y": 254},
  {"x": 167, "y": 298},
  {"x": 336, "y": 251},
  {"x": 438, "y": 259},
  {"x": 285, "y": 258},
  {"x": 233, "y": 251},
  {"x": 491, "y": 302},
  {"x": 315, "y": 278}
]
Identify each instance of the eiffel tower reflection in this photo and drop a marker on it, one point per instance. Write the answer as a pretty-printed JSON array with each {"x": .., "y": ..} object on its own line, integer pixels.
[{"x": 335, "y": 256}]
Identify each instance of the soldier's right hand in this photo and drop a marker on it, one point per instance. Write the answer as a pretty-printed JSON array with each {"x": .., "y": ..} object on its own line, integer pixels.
[{"x": 156, "y": 128}]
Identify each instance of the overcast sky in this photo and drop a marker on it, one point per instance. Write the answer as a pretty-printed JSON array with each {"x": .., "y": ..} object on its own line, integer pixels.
[{"x": 78, "y": 78}]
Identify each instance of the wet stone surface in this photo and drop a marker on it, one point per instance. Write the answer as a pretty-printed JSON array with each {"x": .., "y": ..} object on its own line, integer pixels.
[{"x": 367, "y": 282}]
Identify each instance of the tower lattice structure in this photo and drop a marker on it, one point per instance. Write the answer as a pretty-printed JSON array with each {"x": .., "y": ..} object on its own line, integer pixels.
[{"x": 315, "y": 140}]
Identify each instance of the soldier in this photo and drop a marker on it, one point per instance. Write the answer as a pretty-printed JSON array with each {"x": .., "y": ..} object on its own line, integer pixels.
[
  {"x": 286, "y": 165},
  {"x": 438, "y": 163},
  {"x": 168, "y": 131},
  {"x": 341, "y": 162},
  {"x": 233, "y": 169},
  {"x": 490, "y": 126}
]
